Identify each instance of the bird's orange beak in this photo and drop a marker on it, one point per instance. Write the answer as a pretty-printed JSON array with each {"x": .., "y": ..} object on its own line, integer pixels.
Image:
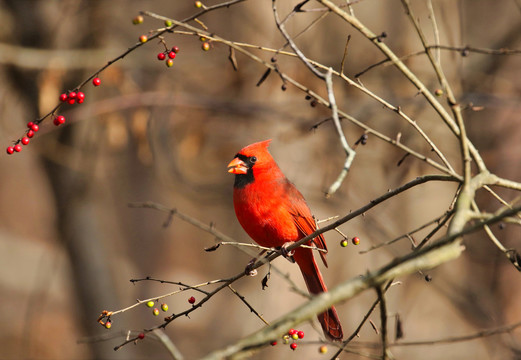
[{"x": 237, "y": 166}]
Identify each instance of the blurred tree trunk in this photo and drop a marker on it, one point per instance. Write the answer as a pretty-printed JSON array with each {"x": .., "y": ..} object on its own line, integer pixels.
[{"x": 79, "y": 211}]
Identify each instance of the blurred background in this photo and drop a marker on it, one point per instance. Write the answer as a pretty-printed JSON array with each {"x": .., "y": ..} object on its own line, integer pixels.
[{"x": 69, "y": 243}]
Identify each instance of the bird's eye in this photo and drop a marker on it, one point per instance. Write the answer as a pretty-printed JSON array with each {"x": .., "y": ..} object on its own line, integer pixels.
[{"x": 253, "y": 159}]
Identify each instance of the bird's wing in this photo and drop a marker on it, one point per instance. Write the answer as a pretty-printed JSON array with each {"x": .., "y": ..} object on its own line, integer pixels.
[{"x": 304, "y": 220}]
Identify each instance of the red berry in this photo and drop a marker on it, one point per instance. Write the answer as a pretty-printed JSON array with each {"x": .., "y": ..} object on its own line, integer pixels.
[
  {"x": 35, "y": 128},
  {"x": 25, "y": 140},
  {"x": 96, "y": 81},
  {"x": 301, "y": 334},
  {"x": 141, "y": 336},
  {"x": 59, "y": 120},
  {"x": 10, "y": 150},
  {"x": 291, "y": 331},
  {"x": 355, "y": 240},
  {"x": 171, "y": 55},
  {"x": 30, "y": 133},
  {"x": 71, "y": 101},
  {"x": 205, "y": 46},
  {"x": 161, "y": 56},
  {"x": 80, "y": 96},
  {"x": 191, "y": 300},
  {"x": 80, "y": 101},
  {"x": 30, "y": 124},
  {"x": 273, "y": 343},
  {"x": 175, "y": 49},
  {"x": 293, "y": 346},
  {"x": 17, "y": 148},
  {"x": 72, "y": 95},
  {"x": 63, "y": 97}
]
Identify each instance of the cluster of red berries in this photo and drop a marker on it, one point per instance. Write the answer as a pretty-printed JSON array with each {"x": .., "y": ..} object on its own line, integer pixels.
[
  {"x": 169, "y": 55},
  {"x": 292, "y": 335},
  {"x": 32, "y": 127},
  {"x": 354, "y": 240},
  {"x": 73, "y": 97}
]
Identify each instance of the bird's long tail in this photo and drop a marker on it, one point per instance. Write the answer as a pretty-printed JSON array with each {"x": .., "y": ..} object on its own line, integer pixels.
[{"x": 315, "y": 284}]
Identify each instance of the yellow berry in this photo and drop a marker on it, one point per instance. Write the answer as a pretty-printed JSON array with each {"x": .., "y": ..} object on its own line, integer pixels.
[
  {"x": 138, "y": 20},
  {"x": 143, "y": 39},
  {"x": 150, "y": 303},
  {"x": 205, "y": 46},
  {"x": 322, "y": 349},
  {"x": 198, "y": 4}
]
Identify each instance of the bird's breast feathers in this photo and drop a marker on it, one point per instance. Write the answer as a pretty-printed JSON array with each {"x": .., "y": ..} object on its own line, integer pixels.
[{"x": 265, "y": 217}]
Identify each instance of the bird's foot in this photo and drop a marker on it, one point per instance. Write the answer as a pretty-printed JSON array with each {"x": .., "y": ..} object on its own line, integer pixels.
[
  {"x": 249, "y": 271},
  {"x": 288, "y": 254}
]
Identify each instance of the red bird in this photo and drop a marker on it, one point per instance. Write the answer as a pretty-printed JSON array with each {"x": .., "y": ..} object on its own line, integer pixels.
[{"x": 273, "y": 212}]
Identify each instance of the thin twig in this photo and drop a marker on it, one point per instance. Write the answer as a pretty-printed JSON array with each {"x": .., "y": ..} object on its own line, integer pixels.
[
  {"x": 350, "y": 153},
  {"x": 359, "y": 327},
  {"x": 298, "y": 52},
  {"x": 243, "y": 299},
  {"x": 440, "y": 221},
  {"x": 458, "y": 49}
]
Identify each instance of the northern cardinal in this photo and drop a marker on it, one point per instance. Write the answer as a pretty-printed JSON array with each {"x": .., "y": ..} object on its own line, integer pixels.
[{"x": 274, "y": 213}]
